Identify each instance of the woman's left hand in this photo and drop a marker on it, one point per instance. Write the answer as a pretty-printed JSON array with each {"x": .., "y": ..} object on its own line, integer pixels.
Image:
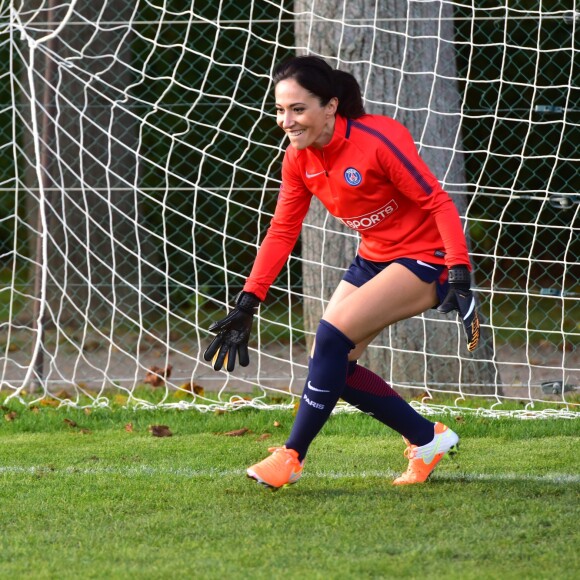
[{"x": 460, "y": 298}]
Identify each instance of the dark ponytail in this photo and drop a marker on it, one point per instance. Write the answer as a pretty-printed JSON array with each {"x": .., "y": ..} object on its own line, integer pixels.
[
  {"x": 350, "y": 103},
  {"x": 324, "y": 82}
]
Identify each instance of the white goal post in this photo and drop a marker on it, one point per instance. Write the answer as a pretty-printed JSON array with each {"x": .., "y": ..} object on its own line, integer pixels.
[{"x": 141, "y": 164}]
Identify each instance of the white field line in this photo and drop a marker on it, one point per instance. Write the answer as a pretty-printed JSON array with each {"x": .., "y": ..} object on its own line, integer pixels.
[{"x": 189, "y": 473}]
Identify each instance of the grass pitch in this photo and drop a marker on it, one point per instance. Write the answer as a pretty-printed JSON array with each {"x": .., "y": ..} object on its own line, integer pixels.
[{"x": 101, "y": 496}]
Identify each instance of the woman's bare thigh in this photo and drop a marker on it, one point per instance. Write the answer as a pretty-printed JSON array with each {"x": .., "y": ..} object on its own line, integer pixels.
[{"x": 392, "y": 295}]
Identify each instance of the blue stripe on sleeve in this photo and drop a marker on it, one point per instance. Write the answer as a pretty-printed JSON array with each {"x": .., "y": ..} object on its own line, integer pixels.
[{"x": 407, "y": 163}]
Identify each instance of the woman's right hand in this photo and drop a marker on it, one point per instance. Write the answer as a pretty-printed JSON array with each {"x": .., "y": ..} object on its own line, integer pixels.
[{"x": 233, "y": 334}]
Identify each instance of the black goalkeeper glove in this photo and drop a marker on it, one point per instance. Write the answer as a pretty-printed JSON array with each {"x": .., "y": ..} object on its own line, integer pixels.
[
  {"x": 233, "y": 334},
  {"x": 461, "y": 298}
]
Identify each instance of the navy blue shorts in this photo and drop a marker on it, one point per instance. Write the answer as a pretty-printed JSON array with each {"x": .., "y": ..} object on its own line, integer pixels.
[{"x": 361, "y": 271}]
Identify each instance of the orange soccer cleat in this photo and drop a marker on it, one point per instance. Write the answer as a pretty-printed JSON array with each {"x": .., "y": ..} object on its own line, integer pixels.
[
  {"x": 422, "y": 460},
  {"x": 280, "y": 469}
]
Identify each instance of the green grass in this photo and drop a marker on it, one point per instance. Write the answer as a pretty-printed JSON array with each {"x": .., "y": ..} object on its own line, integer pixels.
[{"x": 82, "y": 496}]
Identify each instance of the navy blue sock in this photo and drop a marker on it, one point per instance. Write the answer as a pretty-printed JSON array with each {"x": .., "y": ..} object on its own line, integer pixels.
[
  {"x": 372, "y": 395},
  {"x": 324, "y": 385}
]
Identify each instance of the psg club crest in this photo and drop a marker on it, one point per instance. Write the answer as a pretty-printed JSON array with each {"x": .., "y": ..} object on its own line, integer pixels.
[{"x": 352, "y": 176}]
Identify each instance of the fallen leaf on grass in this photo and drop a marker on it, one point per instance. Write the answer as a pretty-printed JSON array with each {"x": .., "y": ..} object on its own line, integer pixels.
[
  {"x": 198, "y": 390},
  {"x": 129, "y": 427},
  {"x": 120, "y": 399},
  {"x": 11, "y": 416},
  {"x": 264, "y": 436},
  {"x": 49, "y": 402},
  {"x": 421, "y": 397},
  {"x": 237, "y": 432},
  {"x": 241, "y": 401},
  {"x": 156, "y": 376},
  {"x": 194, "y": 388},
  {"x": 74, "y": 425},
  {"x": 160, "y": 431}
]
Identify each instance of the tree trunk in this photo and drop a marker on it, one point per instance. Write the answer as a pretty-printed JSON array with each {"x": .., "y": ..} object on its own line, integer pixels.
[
  {"x": 98, "y": 253},
  {"x": 411, "y": 78}
]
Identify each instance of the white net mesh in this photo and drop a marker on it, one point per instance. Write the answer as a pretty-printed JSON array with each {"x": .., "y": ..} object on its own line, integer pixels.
[{"x": 141, "y": 164}]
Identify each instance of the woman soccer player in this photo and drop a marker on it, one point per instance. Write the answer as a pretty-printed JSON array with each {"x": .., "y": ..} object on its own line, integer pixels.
[{"x": 413, "y": 256}]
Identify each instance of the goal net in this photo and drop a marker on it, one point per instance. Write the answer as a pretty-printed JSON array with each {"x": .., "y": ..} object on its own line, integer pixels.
[{"x": 140, "y": 169}]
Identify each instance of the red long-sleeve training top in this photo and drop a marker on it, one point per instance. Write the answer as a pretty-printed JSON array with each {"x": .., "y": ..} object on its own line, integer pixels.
[{"x": 371, "y": 178}]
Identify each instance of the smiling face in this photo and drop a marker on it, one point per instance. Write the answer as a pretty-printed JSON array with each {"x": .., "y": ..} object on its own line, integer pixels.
[{"x": 301, "y": 116}]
